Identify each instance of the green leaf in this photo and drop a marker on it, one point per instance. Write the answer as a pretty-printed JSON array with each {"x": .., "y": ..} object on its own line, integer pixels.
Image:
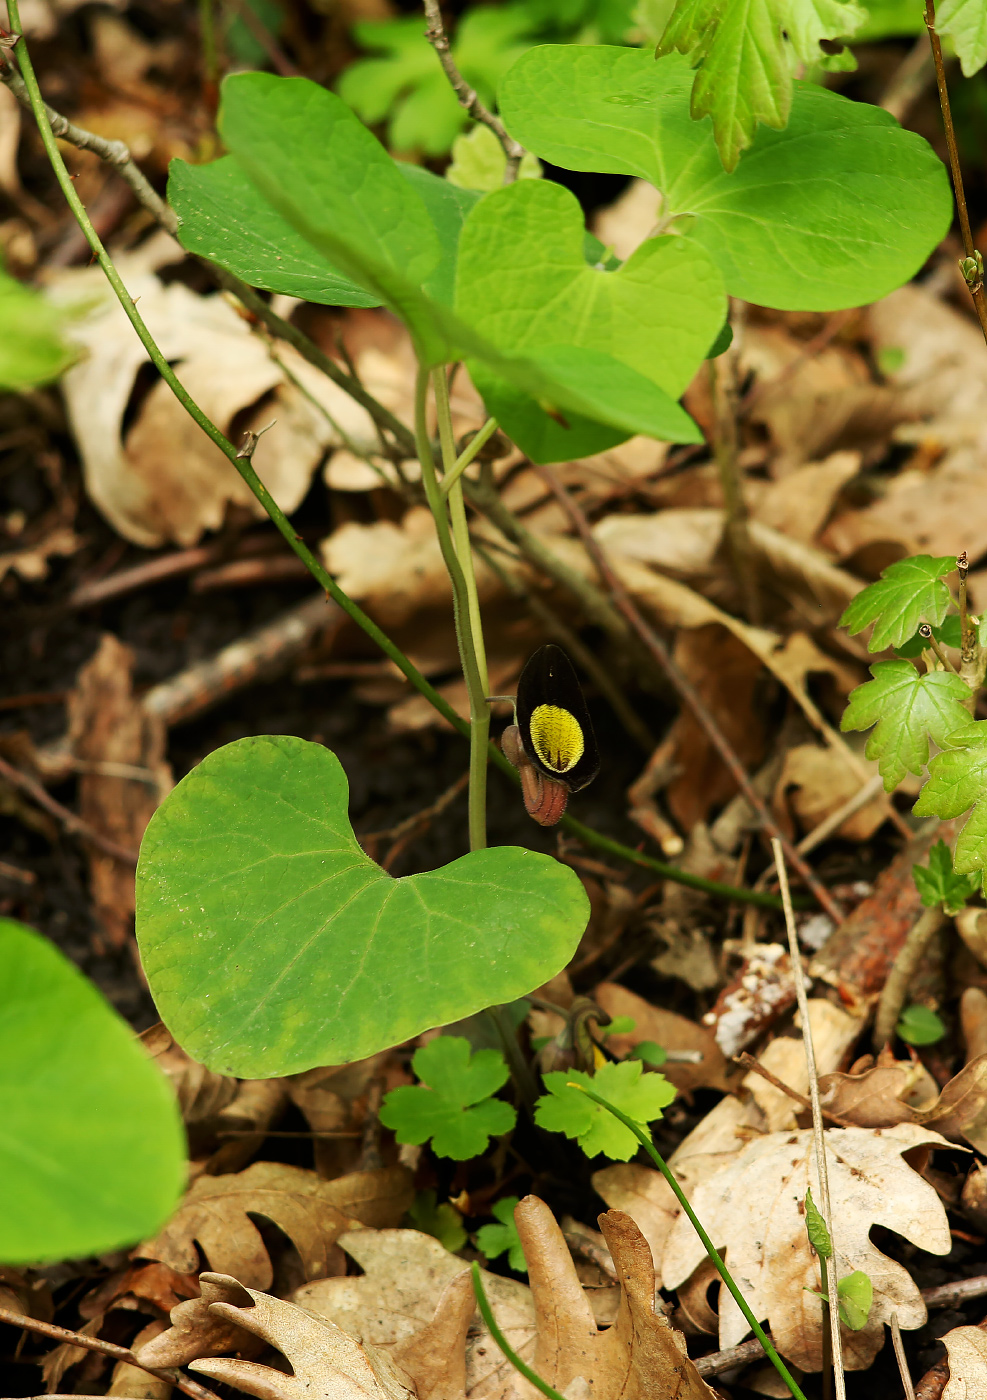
[
  {"x": 938, "y": 883},
  {"x": 836, "y": 210},
  {"x": 452, "y": 1105},
  {"x": 855, "y": 1293},
  {"x": 745, "y": 51},
  {"x": 648, "y": 1051},
  {"x": 92, "y": 1150},
  {"x": 957, "y": 781},
  {"x": 565, "y": 1109},
  {"x": 906, "y": 594},
  {"x": 479, "y": 161},
  {"x": 442, "y": 1222},
  {"x": 919, "y": 1025},
  {"x": 815, "y": 1228},
  {"x": 524, "y": 283},
  {"x": 272, "y": 943},
  {"x": 906, "y": 708},
  {"x": 965, "y": 22},
  {"x": 619, "y": 1025},
  {"x": 948, "y": 635},
  {"x": 32, "y": 350},
  {"x": 493, "y": 1240},
  {"x": 890, "y": 17}
]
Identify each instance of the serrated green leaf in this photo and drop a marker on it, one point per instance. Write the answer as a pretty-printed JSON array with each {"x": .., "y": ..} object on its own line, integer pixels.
[
  {"x": 815, "y": 1228},
  {"x": 948, "y": 635},
  {"x": 855, "y": 1293},
  {"x": 493, "y": 1240},
  {"x": 957, "y": 781},
  {"x": 32, "y": 348},
  {"x": 452, "y": 1106},
  {"x": 443, "y": 1222},
  {"x": 745, "y": 51},
  {"x": 92, "y": 1150},
  {"x": 890, "y": 17},
  {"x": 965, "y": 22},
  {"x": 907, "y": 593},
  {"x": 906, "y": 708},
  {"x": 479, "y": 161},
  {"x": 523, "y": 282},
  {"x": 565, "y": 1109},
  {"x": 257, "y": 909},
  {"x": 919, "y": 1025},
  {"x": 861, "y": 202},
  {"x": 938, "y": 883}
]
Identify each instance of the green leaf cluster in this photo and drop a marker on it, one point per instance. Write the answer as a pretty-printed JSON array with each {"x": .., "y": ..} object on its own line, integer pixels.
[
  {"x": 906, "y": 709},
  {"x": 443, "y": 1222},
  {"x": 452, "y": 1106},
  {"x": 566, "y": 1109},
  {"x": 32, "y": 348},
  {"x": 92, "y": 1149},
  {"x": 494, "y": 1240},
  {"x": 939, "y": 884},
  {"x": 907, "y": 593},
  {"x": 958, "y": 781}
]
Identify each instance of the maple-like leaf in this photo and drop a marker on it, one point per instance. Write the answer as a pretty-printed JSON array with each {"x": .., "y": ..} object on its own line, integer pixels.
[
  {"x": 907, "y": 594},
  {"x": 957, "y": 781},
  {"x": 493, "y": 1240},
  {"x": 907, "y": 709},
  {"x": 746, "y": 51},
  {"x": 752, "y": 1211},
  {"x": 938, "y": 883},
  {"x": 453, "y": 1104},
  {"x": 965, "y": 21},
  {"x": 568, "y": 1110}
]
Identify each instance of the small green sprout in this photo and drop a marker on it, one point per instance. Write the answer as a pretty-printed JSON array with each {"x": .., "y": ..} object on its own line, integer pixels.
[{"x": 493, "y": 1240}]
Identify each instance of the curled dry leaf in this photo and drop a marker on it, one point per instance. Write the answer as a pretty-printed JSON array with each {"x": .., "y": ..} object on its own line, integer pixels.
[
  {"x": 752, "y": 1210},
  {"x": 833, "y": 1033},
  {"x": 197, "y": 1331},
  {"x": 215, "y": 1214},
  {"x": 201, "y": 1092},
  {"x": 966, "y": 1348},
  {"x": 816, "y": 782}
]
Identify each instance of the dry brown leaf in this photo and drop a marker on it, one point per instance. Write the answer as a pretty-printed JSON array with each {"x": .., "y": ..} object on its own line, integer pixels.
[
  {"x": 333, "y": 1100},
  {"x": 108, "y": 728},
  {"x": 137, "y": 1287},
  {"x": 833, "y": 1033},
  {"x": 311, "y": 1212},
  {"x": 201, "y": 1092},
  {"x": 30, "y": 560},
  {"x": 816, "y": 782},
  {"x": 960, "y": 1112},
  {"x": 685, "y": 542},
  {"x": 196, "y": 1331},
  {"x": 799, "y": 504},
  {"x": 406, "y": 1275},
  {"x": 670, "y": 1031},
  {"x": 966, "y": 1348},
  {"x": 161, "y": 479},
  {"x": 752, "y": 1210},
  {"x": 872, "y": 1099},
  {"x": 133, "y": 1382}
]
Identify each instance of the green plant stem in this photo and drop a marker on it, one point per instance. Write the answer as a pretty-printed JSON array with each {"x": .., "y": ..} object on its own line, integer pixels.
[
  {"x": 478, "y": 440},
  {"x": 479, "y": 727},
  {"x": 491, "y": 1323},
  {"x": 645, "y": 1140}
]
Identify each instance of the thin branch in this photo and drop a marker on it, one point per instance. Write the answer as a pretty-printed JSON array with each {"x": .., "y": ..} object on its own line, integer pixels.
[
  {"x": 828, "y": 1266},
  {"x": 748, "y": 1062},
  {"x": 686, "y": 689},
  {"x": 901, "y": 1358},
  {"x": 872, "y": 789},
  {"x": 79, "y": 1339},
  {"x": 905, "y": 965},
  {"x": 468, "y": 97},
  {"x": 33, "y": 789},
  {"x": 973, "y": 278}
]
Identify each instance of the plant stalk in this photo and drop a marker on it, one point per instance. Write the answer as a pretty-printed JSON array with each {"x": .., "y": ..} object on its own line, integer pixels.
[
  {"x": 493, "y": 1328},
  {"x": 905, "y": 966},
  {"x": 468, "y": 455}
]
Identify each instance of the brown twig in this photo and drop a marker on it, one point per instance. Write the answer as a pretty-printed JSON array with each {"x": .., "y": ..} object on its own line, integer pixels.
[
  {"x": 905, "y": 965},
  {"x": 902, "y": 1360},
  {"x": 748, "y": 1062},
  {"x": 79, "y": 1339},
  {"x": 973, "y": 281},
  {"x": 167, "y": 566},
  {"x": 686, "y": 690},
  {"x": 468, "y": 97},
  {"x": 33, "y": 789}
]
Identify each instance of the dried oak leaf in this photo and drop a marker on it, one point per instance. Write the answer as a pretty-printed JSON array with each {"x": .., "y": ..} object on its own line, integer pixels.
[
  {"x": 313, "y": 1213},
  {"x": 197, "y": 1331},
  {"x": 752, "y": 1209},
  {"x": 966, "y": 1348}
]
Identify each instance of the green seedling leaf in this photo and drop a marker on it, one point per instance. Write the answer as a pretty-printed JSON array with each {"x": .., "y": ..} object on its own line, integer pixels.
[
  {"x": 919, "y": 1025},
  {"x": 815, "y": 1228},
  {"x": 938, "y": 883},
  {"x": 335, "y": 184},
  {"x": 855, "y": 1294},
  {"x": 442, "y": 1222},
  {"x": 745, "y": 52},
  {"x": 452, "y": 1106},
  {"x": 965, "y": 22},
  {"x": 648, "y": 1051},
  {"x": 565, "y": 1109},
  {"x": 32, "y": 350},
  {"x": 619, "y": 1025},
  {"x": 906, "y": 708},
  {"x": 524, "y": 283},
  {"x": 907, "y": 594},
  {"x": 861, "y": 202},
  {"x": 479, "y": 161},
  {"x": 948, "y": 635},
  {"x": 92, "y": 1150},
  {"x": 493, "y": 1240},
  {"x": 958, "y": 781},
  {"x": 272, "y": 943}
]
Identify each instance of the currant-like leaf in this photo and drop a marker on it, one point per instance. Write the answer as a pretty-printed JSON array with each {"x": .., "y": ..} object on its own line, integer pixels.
[
  {"x": 965, "y": 22},
  {"x": 938, "y": 883},
  {"x": 907, "y": 709},
  {"x": 565, "y": 1109},
  {"x": 907, "y": 594},
  {"x": 493, "y": 1240},
  {"x": 958, "y": 781},
  {"x": 452, "y": 1105}
]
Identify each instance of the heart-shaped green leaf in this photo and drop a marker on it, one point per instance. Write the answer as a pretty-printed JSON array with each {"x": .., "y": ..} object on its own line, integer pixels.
[
  {"x": 272, "y": 944},
  {"x": 836, "y": 210},
  {"x": 523, "y": 281},
  {"x": 92, "y": 1151}
]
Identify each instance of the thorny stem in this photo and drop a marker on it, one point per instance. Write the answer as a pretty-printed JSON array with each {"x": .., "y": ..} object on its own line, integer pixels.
[
  {"x": 492, "y": 1327},
  {"x": 902, "y": 971},
  {"x": 468, "y": 97},
  {"x": 828, "y": 1267},
  {"x": 465, "y": 636},
  {"x": 966, "y": 233},
  {"x": 646, "y": 1142}
]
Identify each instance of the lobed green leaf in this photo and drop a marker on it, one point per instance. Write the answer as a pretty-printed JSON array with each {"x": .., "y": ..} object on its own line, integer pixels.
[
  {"x": 938, "y": 883},
  {"x": 566, "y": 1109},
  {"x": 907, "y": 593},
  {"x": 958, "y": 781},
  {"x": 494, "y": 1240},
  {"x": 452, "y": 1106},
  {"x": 906, "y": 708}
]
